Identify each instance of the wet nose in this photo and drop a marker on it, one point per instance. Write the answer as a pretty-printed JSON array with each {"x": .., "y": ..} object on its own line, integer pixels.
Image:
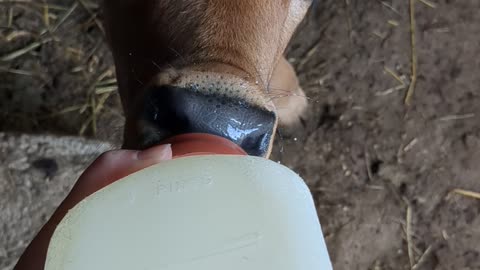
[{"x": 168, "y": 111}]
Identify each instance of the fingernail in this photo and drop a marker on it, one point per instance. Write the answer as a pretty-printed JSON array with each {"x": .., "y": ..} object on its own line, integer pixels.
[{"x": 160, "y": 152}]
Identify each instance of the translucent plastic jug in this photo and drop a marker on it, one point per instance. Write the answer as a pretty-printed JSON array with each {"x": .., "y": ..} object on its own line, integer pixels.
[{"x": 200, "y": 211}]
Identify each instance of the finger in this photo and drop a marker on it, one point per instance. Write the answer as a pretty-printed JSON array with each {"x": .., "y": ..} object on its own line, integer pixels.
[{"x": 114, "y": 165}]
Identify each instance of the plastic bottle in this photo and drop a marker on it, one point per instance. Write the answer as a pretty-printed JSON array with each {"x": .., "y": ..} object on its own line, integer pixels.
[{"x": 210, "y": 208}]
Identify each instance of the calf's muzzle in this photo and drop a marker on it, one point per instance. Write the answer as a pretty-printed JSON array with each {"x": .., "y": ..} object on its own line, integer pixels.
[{"x": 166, "y": 111}]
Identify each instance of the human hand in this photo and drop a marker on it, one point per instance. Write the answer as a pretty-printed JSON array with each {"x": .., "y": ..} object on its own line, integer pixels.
[{"x": 106, "y": 169}]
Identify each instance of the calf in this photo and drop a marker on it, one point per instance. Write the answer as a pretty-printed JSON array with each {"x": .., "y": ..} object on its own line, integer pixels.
[{"x": 208, "y": 66}]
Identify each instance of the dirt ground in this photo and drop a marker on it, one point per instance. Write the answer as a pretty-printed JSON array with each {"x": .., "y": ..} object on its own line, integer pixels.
[{"x": 383, "y": 174}]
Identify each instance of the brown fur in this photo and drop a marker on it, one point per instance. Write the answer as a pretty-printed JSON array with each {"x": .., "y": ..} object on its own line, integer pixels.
[{"x": 243, "y": 39}]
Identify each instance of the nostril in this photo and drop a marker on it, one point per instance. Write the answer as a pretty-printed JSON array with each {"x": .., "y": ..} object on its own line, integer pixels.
[{"x": 167, "y": 111}]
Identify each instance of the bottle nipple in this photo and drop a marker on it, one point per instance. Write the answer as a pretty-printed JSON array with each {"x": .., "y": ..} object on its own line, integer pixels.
[{"x": 196, "y": 144}]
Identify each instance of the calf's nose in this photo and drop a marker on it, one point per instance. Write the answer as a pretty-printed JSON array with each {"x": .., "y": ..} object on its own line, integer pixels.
[{"x": 167, "y": 110}]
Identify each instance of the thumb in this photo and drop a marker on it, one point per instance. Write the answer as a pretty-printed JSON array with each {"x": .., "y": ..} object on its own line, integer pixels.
[{"x": 114, "y": 165}]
